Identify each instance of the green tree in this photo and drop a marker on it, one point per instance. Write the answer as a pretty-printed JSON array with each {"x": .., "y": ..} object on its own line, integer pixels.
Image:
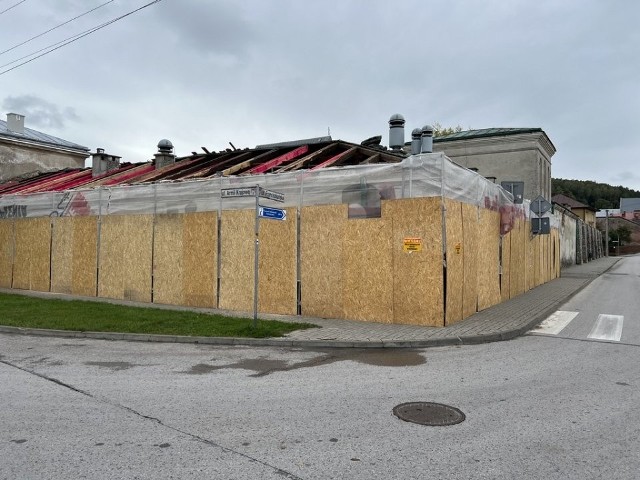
[
  {"x": 622, "y": 233},
  {"x": 596, "y": 195},
  {"x": 439, "y": 130}
]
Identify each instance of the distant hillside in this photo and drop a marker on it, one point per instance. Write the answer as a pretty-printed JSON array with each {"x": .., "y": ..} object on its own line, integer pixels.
[{"x": 596, "y": 195}]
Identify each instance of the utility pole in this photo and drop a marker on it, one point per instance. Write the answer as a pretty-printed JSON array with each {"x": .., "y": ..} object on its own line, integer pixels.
[{"x": 606, "y": 233}]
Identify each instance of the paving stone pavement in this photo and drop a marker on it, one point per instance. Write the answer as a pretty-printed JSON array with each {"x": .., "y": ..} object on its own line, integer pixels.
[{"x": 504, "y": 321}]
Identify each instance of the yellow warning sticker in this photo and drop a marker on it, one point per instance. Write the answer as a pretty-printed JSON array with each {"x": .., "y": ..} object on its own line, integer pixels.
[{"x": 412, "y": 244}]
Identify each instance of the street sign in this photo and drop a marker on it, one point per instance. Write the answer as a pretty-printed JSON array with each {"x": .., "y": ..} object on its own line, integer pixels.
[
  {"x": 238, "y": 192},
  {"x": 540, "y": 205},
  {"x": 271, "y": 195},
  {"x": 251, "y": 192},
  {"x": 272, "y": 213}
]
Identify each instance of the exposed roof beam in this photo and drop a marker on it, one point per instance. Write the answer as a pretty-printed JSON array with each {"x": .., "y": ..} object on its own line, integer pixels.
[
  {"x": 300, "y": 163},
  {"x": 246, "y": 164},
  {"x": 336, "y": 159},
  {"x": 280, "y": 160}
]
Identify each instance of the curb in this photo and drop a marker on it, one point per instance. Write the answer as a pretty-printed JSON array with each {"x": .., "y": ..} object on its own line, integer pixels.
[{"x": 287, "y": 342}]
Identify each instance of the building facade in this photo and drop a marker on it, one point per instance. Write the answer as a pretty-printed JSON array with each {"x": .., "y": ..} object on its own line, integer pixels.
[
  {"x": 24, "y": 151},
  {"x": 508, "y": 156}
]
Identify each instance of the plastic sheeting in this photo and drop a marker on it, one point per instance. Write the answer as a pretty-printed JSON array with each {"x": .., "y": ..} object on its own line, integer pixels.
[{"x": 361, "y": 186}]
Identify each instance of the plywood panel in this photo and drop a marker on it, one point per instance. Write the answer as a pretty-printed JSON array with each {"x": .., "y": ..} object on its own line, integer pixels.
[
  {"x": 85, "y": 241},
  {"x": 367, "y": 270},
  {"x": 278, "y": 265},
  {"x": 138, "y": 258},
  {"x": 455, "y": 262},
  {"x": 200, "y": 244},
  {"x": 237, "y": 235},
  {"x": 112, "y": 249},
  {"x": 321, "y": 258},
  {"x": 33, "y": 254},
  {"x": 488, "y": 259},
  {"x": 22, "y": 258},
  {"x": 6, "y": 252},
  {"x": 125, "y": 257},
  {"x": 470, "y": 258},
  {"x": 168, "y": 267},
  {"x": 418, "y": 283},
  {"x": 61, "y": 255},
  {"x": 505, "y": 279}
]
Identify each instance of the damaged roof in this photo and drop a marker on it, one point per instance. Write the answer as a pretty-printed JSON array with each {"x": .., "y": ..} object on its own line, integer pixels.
[{"x": 309, "y": 154}]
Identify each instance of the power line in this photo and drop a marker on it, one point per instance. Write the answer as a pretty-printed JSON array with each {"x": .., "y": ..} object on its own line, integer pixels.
[
  {"x": 71, "y": 39},
  {"x": 12, "y": 6},
  {"x": 52, "y": 29}
]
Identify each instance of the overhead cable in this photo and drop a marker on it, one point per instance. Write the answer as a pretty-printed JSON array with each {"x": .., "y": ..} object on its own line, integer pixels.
[
  {"x": 52, "y": 29},
  {"x": 67, "y": 41},
  {"x": 12, "y": 6}
]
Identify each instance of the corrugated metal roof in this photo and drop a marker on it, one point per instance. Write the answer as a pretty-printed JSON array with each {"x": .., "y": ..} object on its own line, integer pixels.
[
  {"x": 285, "y": 157},
  {"x": 39, "y": 137},
  {"x": 485, "y": 132}
]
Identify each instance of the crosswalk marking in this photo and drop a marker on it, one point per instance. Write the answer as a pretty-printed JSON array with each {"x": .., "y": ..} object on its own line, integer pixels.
[
  {"x": 607, "y": 327},
  {"x": 555, "y": 323}
]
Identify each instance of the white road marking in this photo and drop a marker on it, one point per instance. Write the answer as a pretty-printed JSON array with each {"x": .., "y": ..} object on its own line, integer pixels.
[
  {"x": 607, "y": 327},
  {"x": 554, "y": 323}
]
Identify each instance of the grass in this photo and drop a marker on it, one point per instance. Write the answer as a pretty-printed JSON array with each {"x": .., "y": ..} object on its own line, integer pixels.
[{"x": 83, "y": 316}]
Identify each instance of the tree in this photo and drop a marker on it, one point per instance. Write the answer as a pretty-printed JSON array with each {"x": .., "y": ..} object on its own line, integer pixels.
[
  {"x": 622, "y": 233},
  {"x": 439, "y": 130}
]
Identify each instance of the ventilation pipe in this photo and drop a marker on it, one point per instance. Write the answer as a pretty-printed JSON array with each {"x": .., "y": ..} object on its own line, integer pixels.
[
  {"x": 396, "y": 132},
  {"x": 416, "y": 141},
  {"x": 102, "y": 162},
  {"x": 427, "y": 139},
  {"x": 165, "y": 155}
]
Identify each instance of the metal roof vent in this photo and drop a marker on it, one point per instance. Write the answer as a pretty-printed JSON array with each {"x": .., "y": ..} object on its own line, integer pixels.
[
  {"x": 416, "y": 141},
  {"x": 165, "y": 146},
  {"x": 165, "y": 155},
  {"x": 427, "y": 139},
  {"x": 396, "y": 132}
]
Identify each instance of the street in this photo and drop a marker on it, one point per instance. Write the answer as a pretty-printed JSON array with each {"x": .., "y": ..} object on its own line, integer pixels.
[{"x": 557, "y": 403}]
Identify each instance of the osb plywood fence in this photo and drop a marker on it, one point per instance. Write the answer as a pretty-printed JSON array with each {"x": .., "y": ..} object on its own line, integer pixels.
[
  {"x": 406, "y": 266},
  {"x": 422, "y": 241}
]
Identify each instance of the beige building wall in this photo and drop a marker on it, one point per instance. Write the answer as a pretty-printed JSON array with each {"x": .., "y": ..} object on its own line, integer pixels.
[
  {"x": 524, "y": 157},
  {"x": 19, "y": 159}
]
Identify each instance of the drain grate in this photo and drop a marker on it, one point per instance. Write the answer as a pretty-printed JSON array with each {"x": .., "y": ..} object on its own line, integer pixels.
[{"x": 428, "y": 413}]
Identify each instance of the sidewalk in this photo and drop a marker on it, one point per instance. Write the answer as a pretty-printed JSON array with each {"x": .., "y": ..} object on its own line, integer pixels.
[{"x": 504, "y": 321}]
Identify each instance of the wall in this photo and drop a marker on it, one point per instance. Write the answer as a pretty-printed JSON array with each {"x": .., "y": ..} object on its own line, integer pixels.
[
  {"x": 568, "y": 226},
  {"x": 16, "y": 160},
  {"x": 388, "y": 269},
  {"x": 522, "y": 157}
]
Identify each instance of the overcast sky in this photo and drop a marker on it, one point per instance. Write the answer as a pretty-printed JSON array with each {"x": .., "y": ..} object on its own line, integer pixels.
[{"x": 207, "y": 72}]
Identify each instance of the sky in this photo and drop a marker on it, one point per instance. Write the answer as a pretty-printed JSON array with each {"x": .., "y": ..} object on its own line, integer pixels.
[{"x": 203, "y": 73}]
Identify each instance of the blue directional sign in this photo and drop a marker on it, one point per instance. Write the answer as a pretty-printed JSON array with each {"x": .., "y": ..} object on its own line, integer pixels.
[{"x": 272, "y": 213}]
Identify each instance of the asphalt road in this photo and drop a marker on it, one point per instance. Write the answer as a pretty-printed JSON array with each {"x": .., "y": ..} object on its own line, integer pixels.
[{"x": 547, "y": 405}]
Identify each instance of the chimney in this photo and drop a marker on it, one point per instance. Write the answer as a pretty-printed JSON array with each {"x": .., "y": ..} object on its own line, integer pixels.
[
  {"x": 396, "y": 132},
  {"x": 165, "y": 155},
  {"x": 416, "y": 141},
  {"x": 15, "y": 122},
  {"x": 427, "y": 139},
  {"x": 102, "y": 162}
]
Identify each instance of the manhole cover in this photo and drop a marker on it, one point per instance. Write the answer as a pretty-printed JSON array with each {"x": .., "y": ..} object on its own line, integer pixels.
[{"x": 428, "y": 413}]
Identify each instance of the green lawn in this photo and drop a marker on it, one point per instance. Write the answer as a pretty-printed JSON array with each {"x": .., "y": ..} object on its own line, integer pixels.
[{"x": 29, "y": 312}]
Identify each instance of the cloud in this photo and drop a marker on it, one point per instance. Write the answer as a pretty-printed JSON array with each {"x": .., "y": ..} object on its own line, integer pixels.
[{"x": 39, "y": 112}]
